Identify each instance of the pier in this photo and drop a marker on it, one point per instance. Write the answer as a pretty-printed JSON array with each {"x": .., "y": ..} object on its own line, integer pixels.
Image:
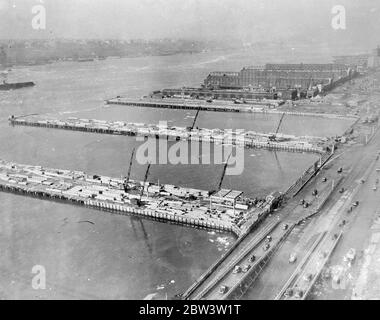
[
  {"x": 262, "y": 107},
  {"x": 248, "y": 139},
  {"x": 225, "y": 211}
]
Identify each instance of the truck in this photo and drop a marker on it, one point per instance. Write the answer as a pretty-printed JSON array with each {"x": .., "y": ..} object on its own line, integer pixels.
[
  {"x": 292, "y": 258},
  {"x": 237, "y": 269},
  {"x": 223, "y": 289}
]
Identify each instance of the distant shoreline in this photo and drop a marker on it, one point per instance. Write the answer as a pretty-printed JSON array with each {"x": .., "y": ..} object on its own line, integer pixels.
[{"x": 94, "y": 59}]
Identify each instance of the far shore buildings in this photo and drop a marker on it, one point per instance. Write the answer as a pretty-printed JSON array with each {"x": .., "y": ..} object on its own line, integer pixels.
[{"x": 279, "y": 81}]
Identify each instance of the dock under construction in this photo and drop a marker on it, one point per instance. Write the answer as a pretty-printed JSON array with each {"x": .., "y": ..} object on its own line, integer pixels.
[
  {"x": 224, "y": 210},
  {"x": 266, "y": 107},
  {"x": 248, "y": 139}
]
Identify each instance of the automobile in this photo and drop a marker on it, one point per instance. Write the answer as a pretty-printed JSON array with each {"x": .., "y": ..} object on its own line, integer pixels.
[
  {"x": 350, "y": 255},
  {"x": 324, "y": 179},
  {"x": 356, "y": 203},
  {"x": 374, "y": 188},
  {"x": 343, "y": 223},
  {"x": 315, "y": 192},
  {"x": 246, "y": 267},
  {"x": 223, "y": 289},
  {"x": 237, "y": 269},
  {"x": 305, "y": 205},
  {"x": 252, "y": 258},
  {"x": 341, "y": 190},
  {"x": 302, "y": 202},
  {"x": 299, "y": 294},
  {"x": 326, "y": 274},
  {"x": 289, "y": 292},
  {"x": 308, "y": 277},
  {"x": 268, "y": 239},
  {"x": 285, "y": 226},
  {"x": 340, "y": 170},
  {"x": 266, "y": 247},
  {"x": 292, "y": 258}
]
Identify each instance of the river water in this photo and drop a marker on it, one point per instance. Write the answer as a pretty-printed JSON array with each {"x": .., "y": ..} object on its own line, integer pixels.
[{"x": 123, "y": 257}]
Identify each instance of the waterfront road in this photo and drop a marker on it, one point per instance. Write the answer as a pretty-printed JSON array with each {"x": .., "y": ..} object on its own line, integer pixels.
[
  {"x": 359, "y": 163},
  {"x": 291, "y": 213}
]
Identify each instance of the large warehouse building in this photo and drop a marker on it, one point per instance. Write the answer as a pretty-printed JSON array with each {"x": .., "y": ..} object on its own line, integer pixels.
[{"x": 279, "y": 76}]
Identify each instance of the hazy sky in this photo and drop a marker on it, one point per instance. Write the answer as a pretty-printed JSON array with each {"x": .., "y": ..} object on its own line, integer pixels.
[{"x": 247, "y": 20}]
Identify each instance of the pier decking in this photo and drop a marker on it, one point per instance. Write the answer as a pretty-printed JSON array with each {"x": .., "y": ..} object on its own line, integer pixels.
[
  {"x": 262, "y": 107},
  {"x": 186, "y": 206},
  {"x": 249, "y": 139}
]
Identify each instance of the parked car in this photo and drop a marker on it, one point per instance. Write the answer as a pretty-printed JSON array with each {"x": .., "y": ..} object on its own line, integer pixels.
[
  {"x": 223, "y": 289},
  {"x": 292, "y": 258},
  {"x": 299, "y": 294},
  {"x": 289, "y": 292},
  {"x": 266, "y": 247},
  {"x": 246, "y": 267},
  {"x": 308, "y": 277},
  {"x": 237, "y": 269}
]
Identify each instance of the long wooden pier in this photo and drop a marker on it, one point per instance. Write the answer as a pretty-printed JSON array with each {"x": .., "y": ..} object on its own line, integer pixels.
[
  {"x": 219, "y": 107},
  {"x": 254, "y": 140}
]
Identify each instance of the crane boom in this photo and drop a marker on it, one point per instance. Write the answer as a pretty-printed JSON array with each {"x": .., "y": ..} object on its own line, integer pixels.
[
  {"x": 279, "y": 123},
  {"x": 129, "y": 171},
  {"x": 146, "y": 177},
  {"x": 195, "y": 118},
  {"x": 224, "y": 172}
]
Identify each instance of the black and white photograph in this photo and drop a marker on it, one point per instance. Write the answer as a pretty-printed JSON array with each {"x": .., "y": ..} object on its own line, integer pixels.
[{"x": 193, "y": 153}]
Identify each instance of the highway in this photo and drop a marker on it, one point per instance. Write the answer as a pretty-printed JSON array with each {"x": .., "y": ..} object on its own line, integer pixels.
[
  {"x": 358, "y": 163},
  {"x": 253, "y": 244},
  {"x": 226, "y": 276}
]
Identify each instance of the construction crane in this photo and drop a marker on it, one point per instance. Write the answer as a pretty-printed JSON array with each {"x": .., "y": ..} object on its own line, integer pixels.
[
  {"x": 143, "y": 187},
  {"x": 129, "y": 172},
  {"x": 274, "y": 136},
  {"x": 195, "y": 119},
  {"x": 224, "y": 172}
]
